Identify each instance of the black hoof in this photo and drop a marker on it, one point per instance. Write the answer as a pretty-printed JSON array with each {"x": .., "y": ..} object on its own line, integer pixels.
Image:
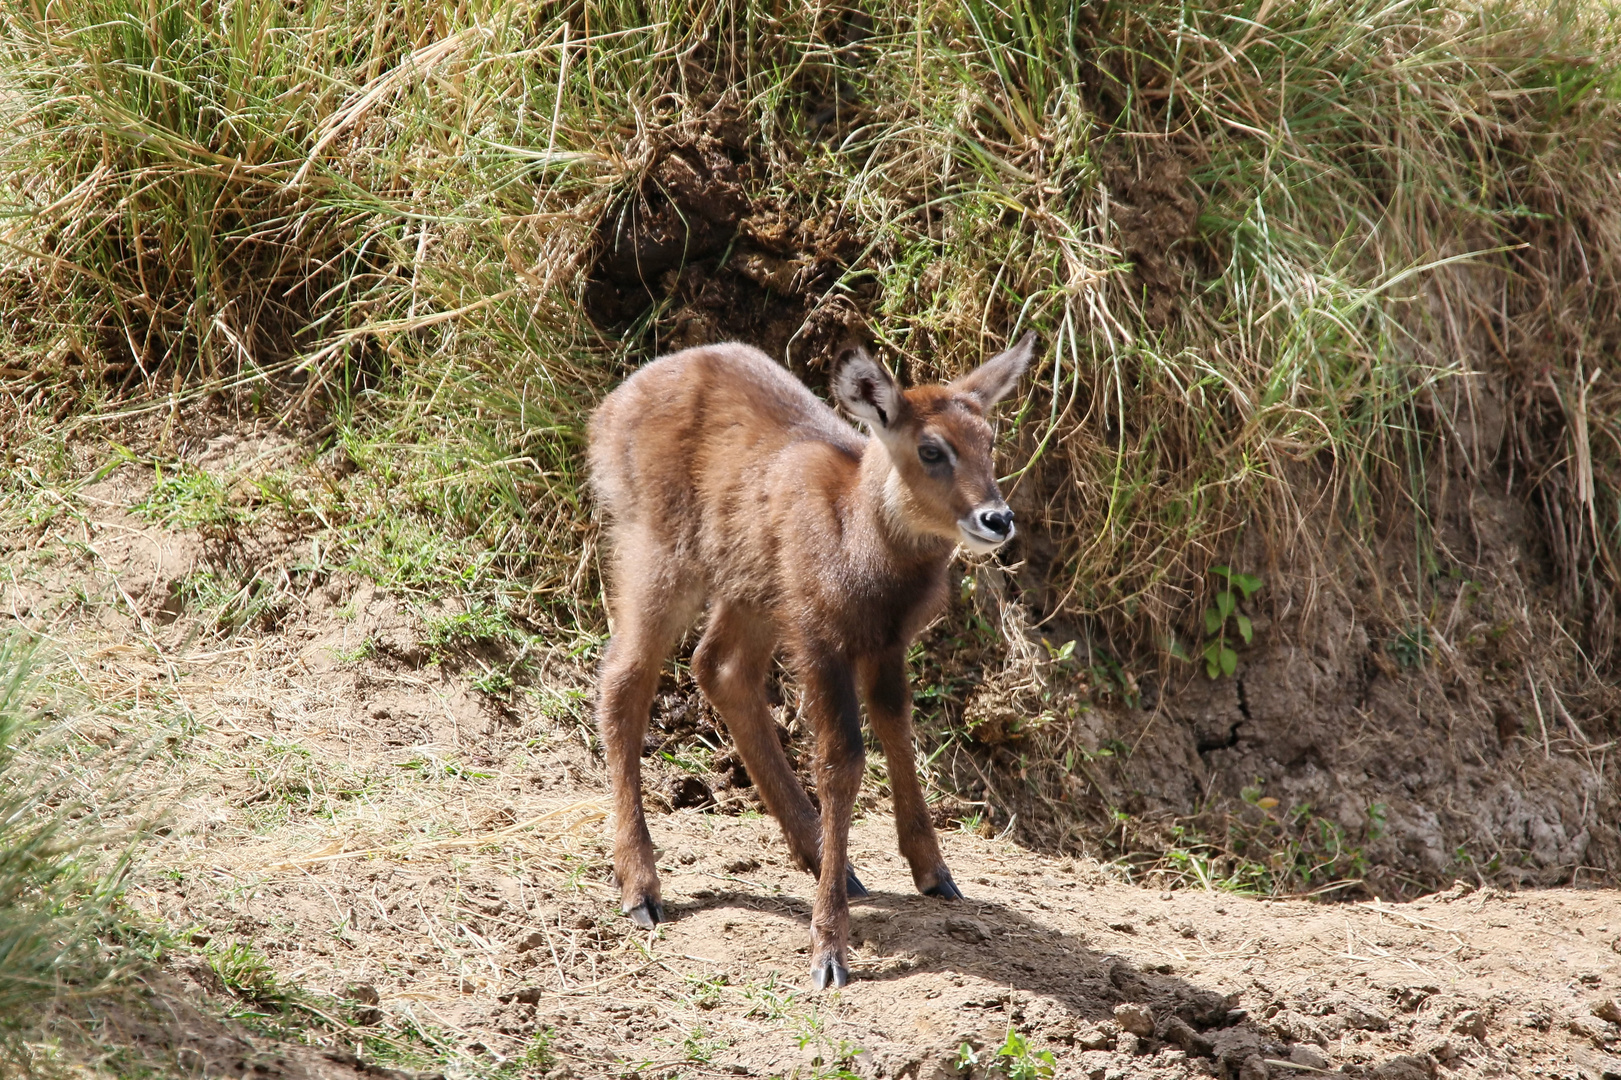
[
  {"x": 853, "y": 886},
  {"x": 647, "y": 914},
  {"x": 829, "y": 972},
  {"x": 945, "y": 888}
]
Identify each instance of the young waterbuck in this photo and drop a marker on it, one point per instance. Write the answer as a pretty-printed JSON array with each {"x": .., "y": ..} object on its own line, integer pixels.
[{"x": 725, "y": 482}]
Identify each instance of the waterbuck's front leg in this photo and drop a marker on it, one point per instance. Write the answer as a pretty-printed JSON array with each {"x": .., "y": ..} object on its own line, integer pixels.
[
  {"x": 889, "y": 708},
  {"x": 828, "y": 682}
]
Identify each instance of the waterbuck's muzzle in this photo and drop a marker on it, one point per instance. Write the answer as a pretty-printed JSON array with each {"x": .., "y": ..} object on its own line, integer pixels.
[{"x": 987, "y": 527}]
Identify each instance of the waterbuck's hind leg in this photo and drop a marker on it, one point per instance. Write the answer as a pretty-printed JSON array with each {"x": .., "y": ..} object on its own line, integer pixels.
[
  {"x": 830, "y": 698},
  {"x": 889, "y": 708},
  {"x": 651, "y": 612}
]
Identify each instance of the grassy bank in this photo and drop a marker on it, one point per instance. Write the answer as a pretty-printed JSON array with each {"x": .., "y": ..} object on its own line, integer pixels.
[{"x": 1254, "y": 238}]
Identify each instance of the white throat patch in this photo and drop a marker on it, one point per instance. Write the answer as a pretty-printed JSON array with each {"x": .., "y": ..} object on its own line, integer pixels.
[{"x": 897, "y": 503}]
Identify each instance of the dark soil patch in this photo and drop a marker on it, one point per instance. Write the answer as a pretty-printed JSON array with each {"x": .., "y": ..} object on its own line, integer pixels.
[
  {"x": 1384, "y": 733},
  {"x": 690, "y": 258},
  {"x": 1155, "y": 209}
]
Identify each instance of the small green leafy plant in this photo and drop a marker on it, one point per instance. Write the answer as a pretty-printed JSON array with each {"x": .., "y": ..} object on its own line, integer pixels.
[
  {"x": 830, "y": 1060},
  {"x": 767, "y": 1000},
  {"x": 704, "y": 993},
  {"x": 1411, "y": 647},
  {"x": 1219, "y": 656},
  {"x": 1017, "y": 1061},
  {"x": 700, "y": 1046},
  {"x": 535, "y": 1059},
  {"x": 1014, "y": 1059}
]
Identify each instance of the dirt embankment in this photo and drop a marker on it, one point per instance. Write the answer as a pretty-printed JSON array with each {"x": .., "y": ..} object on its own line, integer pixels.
[
  {"x": 423, "y": 865},
  {"x": 1385, "y": 730}
]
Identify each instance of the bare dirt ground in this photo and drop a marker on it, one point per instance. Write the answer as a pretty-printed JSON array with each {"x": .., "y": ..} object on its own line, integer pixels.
[{"x": 370, "y": 863}]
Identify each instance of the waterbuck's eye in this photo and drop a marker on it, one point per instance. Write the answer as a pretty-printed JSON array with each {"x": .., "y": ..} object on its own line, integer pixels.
[{"x": 930, "y": 454}]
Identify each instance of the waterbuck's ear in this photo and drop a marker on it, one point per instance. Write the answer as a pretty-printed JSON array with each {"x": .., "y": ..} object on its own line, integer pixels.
[
  {"x": 866, "y": 390},
  {"x": 992, "y": 380}
]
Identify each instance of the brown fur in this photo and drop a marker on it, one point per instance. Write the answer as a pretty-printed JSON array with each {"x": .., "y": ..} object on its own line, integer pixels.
[{"x": 724, "y": 481}]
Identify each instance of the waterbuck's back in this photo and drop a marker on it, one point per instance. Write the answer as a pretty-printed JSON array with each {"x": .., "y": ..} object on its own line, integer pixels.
[{"x": 705, "y": 450}]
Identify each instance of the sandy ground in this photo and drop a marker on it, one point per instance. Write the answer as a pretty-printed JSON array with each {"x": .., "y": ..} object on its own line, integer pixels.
[{"x": 427, "y": 863}]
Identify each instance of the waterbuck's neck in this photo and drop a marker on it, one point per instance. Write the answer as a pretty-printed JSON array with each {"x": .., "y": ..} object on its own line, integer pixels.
[{"x": 887, "y": 505}]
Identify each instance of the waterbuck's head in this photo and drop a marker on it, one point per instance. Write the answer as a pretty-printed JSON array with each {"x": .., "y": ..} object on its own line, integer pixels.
[{"x": 941, "y": 481}]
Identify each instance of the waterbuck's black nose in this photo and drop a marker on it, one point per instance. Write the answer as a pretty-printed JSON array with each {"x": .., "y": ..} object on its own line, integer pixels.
[{"x": 997, "y": 522}]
